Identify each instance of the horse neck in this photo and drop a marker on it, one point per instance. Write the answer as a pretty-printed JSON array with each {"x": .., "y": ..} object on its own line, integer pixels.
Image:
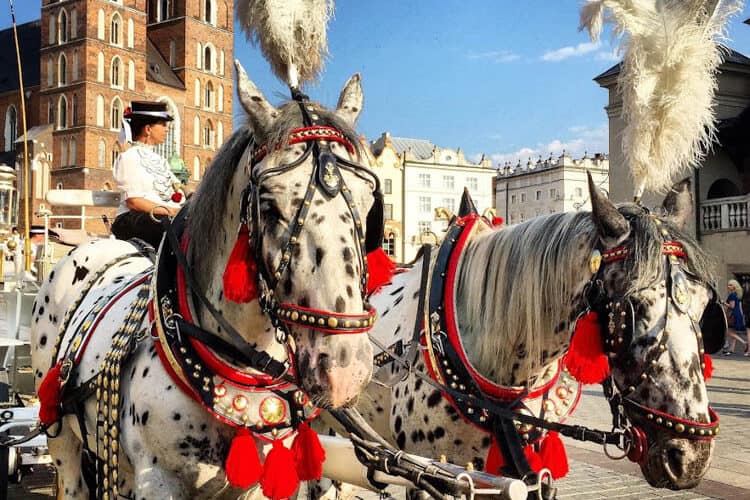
[
  {"x": 250, "y": 322},
  {"x": 517, "y": 300}
]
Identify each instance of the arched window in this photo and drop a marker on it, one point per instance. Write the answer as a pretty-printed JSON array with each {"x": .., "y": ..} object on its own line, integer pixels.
[
  {"x": 64, "y": 153},
  {"x": 220, "y": 99},
  {"x": 114, "y": 154},
  {"x": 116, "y": 115},
  {"x": 208, "y": 134},
  {"x": 131, "y": 75},
  {"x": 73, "y": 24},
  {"x": 50, "y": 72},
  {"x": 208, "y": 58},
  {"x": 51, "y": 112},
  {"x": 62, "y": 112},
  {"x": 100, "y": 110},
  {"x": 131, "y": 33},
  {"x": 171, "y": 145},
  {"x": 172, "y": 53},
  {"x": 52, "y": 29},
  {"x": 115, "y": 33},
  {"x": 100, "y": 25},
  {"x": 62, "y": 27},
  {"x": 75, "y": 66},
  {"x": 100, "y": 67},
  {"x": 163, "y": 10},
  {"x": 101, "y": 153},
  {"x": 11, "y": 128},
  {"x": 62, "y": 70},
  {"x": 219, "y": 134},
  {"x": 208, "y": 98},
  {"x": 116, "y": 72},
  {"x": 209, "y": 12},
  {"x": 197, "y": 92},
  {"x": 198, "y": 55},
  {"x": 74, "y": 111},
  {"x": 196, "y": 169},
  {"x": 73, "y": 151},
  {"x": 197, "y": 131}
]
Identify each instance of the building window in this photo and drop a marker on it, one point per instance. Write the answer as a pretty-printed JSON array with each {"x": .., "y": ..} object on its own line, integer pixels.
[
  {"x": 210, "y": 15},
  {"x": 387, "y": 186},
  {"x": 208, "y": 134},
  {"x": 449, "y": 182},
  {"x": 424, "y": 226},
  {"x": 388, "y": 211},
  {"x": 50, "y": 71},
  {"x": 131, "y": 75},
  {"x": 131, "y": 34},
  {"x": 578, "y": 192},
  {"x": 512, "y": 199},
  {"x": 389, "y": 244},
  {"x": 102, "y": 153},
  {"x": 538, "y": 195},
  {"x": 170, "y": 146},
  {"x": 552, "y": 193},
  {"x": 449, "y": 204},
  {"x": 199, "y": 55},
  {"x": 425, "y": 204},
  {"x": 208, "y": 97},
  {"x": 62, "y": 113},
  {"x": 11, "y": 128},
  {"x": 73, "y": 151},
  {"x": 100, "y": 25},
  {"x": 74, "y": 111},
  {"x": 114, "y": 155},
  {"x": 424, "y": 180},
  {"x": 100, "y": 111},
  {"x": 62, "y": 26},
  {"x": 51, "y": 112},
  {"x": 472, "y": 184},
  {"x": 208, "y": 58},
  {"x": 75, "y": 65},
  {"x": 62, "y": 70},
  {"x": 115, "y": 34},
  {"x": 163, "y": 10},
  {"x": 197, "y": 99},
  {"x": 523, "y": 197},
  {"x": 100, "y": 67},
  {"x": 52, "y": 29},
  {"x": 116, "y": 73},
  {"x": 116, "y": 116},
  {"x": 64, "y": 153},
  {"x": 73, "y": 24}
]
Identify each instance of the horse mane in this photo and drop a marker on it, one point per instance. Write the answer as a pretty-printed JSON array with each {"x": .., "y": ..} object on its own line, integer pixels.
[
  {"x": 512, "y": 281},
  {"x": 207, "y": 211}
]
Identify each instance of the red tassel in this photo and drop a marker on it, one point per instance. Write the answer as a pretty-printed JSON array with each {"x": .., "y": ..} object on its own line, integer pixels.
[
  {"x": 381, "y": 269},
  {"x": 495, "y": 460},
  {"x": 553, "y": 455},
  {"x": 279, "y": 478},
  {"x": 308, "y": 454},
  {"x": 534, "y": 459},
  {"x": 50, "y": 396},
  {"x": 708, "y": 367},
  {"x": 242, "y": 466},
  {"x": 585, "y": 359},
  {"x": 241, "y": 270},
  {"x": 497, "y": 221}
]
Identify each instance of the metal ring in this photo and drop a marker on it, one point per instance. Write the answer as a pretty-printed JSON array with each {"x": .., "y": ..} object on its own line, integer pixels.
[
  {"x": 625, "y": 448},
  {"x": 151, "y": 212}
]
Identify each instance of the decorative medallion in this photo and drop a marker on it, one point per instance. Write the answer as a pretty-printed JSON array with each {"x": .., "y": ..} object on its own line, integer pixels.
[
  {"x": 595, "y": 261},
  {"x": 272, "y": 410}
]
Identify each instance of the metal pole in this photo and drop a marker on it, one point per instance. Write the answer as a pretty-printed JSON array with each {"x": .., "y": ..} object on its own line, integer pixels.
[{"x": 26, "y": 182}]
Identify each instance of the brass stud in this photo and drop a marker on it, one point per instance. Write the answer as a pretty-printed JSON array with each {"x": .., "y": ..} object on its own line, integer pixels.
[
  {"x": 333, "y": 322},
  {"x": 321, "y": 321},
  {"x": 659, "y": 420},
  {"x": 303, "y": 317},
  {"x": 679, "y": 428},
  {"x": 295, "y": 315}
]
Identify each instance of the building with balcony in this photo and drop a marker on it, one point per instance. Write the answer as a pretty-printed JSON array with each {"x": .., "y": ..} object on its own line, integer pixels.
[
  {"x": 547, "y": 186},
  {"x": 417, "y": 177},
  {"x": 721, "y": 185}
]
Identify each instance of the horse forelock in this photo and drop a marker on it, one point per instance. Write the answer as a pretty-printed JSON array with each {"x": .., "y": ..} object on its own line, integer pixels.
[{"x": 511, "y": 282}]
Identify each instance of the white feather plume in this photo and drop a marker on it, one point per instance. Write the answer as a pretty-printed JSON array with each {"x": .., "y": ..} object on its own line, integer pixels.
[
  {"x": 667, "y": 79},
  {"x": 291, "y": 35}
]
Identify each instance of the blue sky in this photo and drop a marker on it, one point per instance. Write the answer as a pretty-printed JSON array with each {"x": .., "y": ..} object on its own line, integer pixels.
[{"x": 505, "y": 78}]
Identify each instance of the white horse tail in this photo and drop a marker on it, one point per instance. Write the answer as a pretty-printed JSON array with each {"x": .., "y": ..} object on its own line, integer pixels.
[
  {"x": 291, "y": 35},
  {"x": 667, "y": 80}
]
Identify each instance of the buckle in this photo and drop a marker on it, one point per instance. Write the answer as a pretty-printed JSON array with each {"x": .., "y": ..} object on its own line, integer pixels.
[{"x": 65, "y": 369}]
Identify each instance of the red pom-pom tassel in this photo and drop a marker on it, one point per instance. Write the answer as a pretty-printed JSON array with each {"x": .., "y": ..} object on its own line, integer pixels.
[
  {"x": 241, "y": 270},
  {"x": 381, "y": 269},
  {"x": 243, "y": 468},
  {"x": 497, "y": 221},
  {"x": 585, "y": 359},
  {"x": 553, "y": 455},
  {"x": 308, "y": 454},
  {"x": 708, "y": 367},
  {"x": 279, "y": 478},
  {"x": 50, "y": 396},
  {"x": 495, "y": 460}
]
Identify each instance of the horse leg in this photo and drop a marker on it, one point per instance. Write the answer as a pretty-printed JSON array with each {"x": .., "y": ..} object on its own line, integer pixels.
[
  {"x": 65, "y": 450},
  {"x": 155, "y": 482}
]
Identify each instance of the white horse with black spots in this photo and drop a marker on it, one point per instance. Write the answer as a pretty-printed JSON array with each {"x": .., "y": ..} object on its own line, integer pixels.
[{"x": 172, "y": 442}]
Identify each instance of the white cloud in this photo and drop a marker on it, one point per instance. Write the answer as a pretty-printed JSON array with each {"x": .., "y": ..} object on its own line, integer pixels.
[
  {"x": 608, "y": 55},
  {"x": 570, "y": 51},
  {"x": 496, "y": 56}
]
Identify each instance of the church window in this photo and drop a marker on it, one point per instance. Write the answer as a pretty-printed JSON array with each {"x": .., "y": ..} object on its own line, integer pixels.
[
  {"x": 116, "y": 117},
  {"x": 62, "y": 112},
  {"x": 64, "y": 153},
  {"x": 62, "y": 26},
  {"x": 115, "y": 34},
  {"x": 100, "y": 25},
  {"x": 116, "y": 70},
  {"x": 102, "y": 153},
  {"x": 208, "y": 134},
  {"x": 75, "y": 65},
  {"x": 131, "y": 34},
  {"x": 62, "y": 70},
  {"x": 11, "y": 128},
  {"x": 73, "y": 151},
  {"x": 50, "y": 71},
  {"x": 208, "y": 98},
  {"x": 131, "y": 75},
  {"x": 209, "y": 12},
  {"x": 73, "y": 24},
  {"x": 100, "y": 110},
  {"x": 52, "y": 29},
  {"x": 100, "y": 67},
  {"x": 74, "y": 111},
  {"x": 197, "y": 92},
  {"x": 208, "y": 58},
  {"x": 162, "y": 10}
]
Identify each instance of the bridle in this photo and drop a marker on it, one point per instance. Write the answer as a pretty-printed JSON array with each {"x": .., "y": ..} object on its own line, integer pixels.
[
  {"x": 616, "y": 315},
  {"x": 327, "y": 178}
]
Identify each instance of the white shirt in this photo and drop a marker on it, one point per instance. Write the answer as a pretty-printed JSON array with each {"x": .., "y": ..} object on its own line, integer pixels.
[{"x": 141, "y": 173}]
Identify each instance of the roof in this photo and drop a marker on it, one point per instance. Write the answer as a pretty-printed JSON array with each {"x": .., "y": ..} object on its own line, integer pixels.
[
  {"x": 731, "y": 56},
  {"x": 421, "y": 148},
  {"x": 30, "y": 40},
  {"x": 35, "y": 132},
  {"x": 158, "y": 70}
]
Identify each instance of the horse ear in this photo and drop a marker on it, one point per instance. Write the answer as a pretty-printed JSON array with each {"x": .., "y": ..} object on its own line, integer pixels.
[
  {"x": 612, "y": 225},
  {"x": 350, "y": 101},
  {"x": 678, "y": 204},
  {"x": 261, "y": 113}
]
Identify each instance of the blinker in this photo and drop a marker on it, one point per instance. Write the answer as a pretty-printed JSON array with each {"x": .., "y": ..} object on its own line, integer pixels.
[
  {"x": 679, "y": 290},
  {"x": 329, "y": 176}
]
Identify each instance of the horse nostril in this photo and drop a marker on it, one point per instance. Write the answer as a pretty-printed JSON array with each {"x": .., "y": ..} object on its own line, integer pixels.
[{"x": 676, "y": 462}]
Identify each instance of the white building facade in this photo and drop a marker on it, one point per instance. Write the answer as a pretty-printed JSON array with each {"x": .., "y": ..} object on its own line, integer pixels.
[
  {"x": 547, "y": 186},
  {"x": 418, "y": 177}
]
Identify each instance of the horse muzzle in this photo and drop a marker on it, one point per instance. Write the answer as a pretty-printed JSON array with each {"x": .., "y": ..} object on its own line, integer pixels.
[{"x": 677, "y": 463}]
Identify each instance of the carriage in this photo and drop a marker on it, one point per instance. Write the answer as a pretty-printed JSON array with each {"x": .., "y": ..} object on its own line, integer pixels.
[{"x": 257, "y": 311}]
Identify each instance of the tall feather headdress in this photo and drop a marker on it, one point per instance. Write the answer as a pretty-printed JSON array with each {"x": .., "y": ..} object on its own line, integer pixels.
[
  {"x": 667, "y": 80},
  {"x": 291, "y": 35}
]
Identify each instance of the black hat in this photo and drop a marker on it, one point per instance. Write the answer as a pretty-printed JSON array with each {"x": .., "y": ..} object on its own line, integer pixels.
[{"x": 148, "y": 110}]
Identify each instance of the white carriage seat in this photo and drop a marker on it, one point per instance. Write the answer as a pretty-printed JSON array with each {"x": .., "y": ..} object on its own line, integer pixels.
[{"x": 80, "y": 198}]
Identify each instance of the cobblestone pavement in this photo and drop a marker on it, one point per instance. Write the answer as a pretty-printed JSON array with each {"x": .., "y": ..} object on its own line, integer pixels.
[{"x": 592, "y": 475}]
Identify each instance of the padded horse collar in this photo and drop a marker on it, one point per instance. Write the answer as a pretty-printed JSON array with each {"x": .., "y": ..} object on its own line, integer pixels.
[{"x": 326, "y": 178}]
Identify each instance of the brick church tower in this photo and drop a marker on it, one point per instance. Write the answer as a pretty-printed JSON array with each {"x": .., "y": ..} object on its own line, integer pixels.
[{"x": 99, "y": 55}]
